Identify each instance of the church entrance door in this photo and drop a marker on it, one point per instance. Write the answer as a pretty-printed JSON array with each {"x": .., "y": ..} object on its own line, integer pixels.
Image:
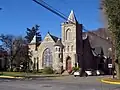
[{"x": 68, "y": 64}]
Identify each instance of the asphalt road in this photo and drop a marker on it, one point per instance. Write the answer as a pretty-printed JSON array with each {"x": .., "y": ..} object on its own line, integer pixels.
[{"x": 65, "y": 83}]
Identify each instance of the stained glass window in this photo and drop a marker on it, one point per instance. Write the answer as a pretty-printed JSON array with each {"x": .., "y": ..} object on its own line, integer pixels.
[{"x": 47, "y": 58}]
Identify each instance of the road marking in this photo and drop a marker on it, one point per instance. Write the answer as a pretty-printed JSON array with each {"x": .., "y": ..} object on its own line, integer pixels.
[{"x": 110, "y": 82}]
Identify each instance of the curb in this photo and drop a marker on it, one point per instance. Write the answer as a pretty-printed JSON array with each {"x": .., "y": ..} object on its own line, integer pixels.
[
  {"x": 110, "y": 82},
  {"x": 11, "y": 77}
]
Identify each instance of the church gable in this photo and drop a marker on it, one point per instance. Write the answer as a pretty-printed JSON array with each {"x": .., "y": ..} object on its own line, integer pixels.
[{"x": 50, "y": 38}]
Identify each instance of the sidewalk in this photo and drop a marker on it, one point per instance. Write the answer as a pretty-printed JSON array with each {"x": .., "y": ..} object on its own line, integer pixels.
[
  {"x": 110, "y": 81},
  {"x": 28, "y": 76},
  {"x": 11, "y": 77}
]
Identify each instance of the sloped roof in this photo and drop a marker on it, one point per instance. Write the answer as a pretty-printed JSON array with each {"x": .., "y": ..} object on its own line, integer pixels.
[
  {"x": 96, "y": 41},
  {"x": 72, "y": 17},
  {"x": 33, "y": 40},
  {"x": 53, "y": 37},
  {"x": 98, "y": 50},
  {"x": 94, "y": 53},
  {"x": 59, "y": 43}
]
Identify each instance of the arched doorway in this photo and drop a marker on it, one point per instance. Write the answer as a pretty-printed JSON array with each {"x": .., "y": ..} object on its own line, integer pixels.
[
  {"x": 68, "y": 64},
  {"x": 47, "y": 58}
]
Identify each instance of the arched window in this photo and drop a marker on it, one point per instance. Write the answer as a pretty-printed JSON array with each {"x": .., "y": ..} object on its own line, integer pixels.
[
  {"x": 56, "y": 48},
  {"x": 68, "y": 33},
  {"x": 47, "y": 58},
  {"x": 37, "y": 63},
  {"x": 64, "y": 49},
  {"x": 59, "y": 49},
  {"x": 59, "y": 55},
  {"x": 34, "y": 64},
  {"x": 72, "y": 48},
  {"x": 68, "y": 48}
]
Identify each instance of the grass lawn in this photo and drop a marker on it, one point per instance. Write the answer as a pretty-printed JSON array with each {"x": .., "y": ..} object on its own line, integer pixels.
[{"x": 23, "y": 74}]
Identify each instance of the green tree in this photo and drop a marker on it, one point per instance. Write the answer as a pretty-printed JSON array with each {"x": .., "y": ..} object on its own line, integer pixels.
[
  {"x": 111, "y": 10},
  {"x": 32, "y": 32}
]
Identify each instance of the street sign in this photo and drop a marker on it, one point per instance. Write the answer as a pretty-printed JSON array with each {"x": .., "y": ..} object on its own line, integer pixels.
[{"x": 109, "y": 65}]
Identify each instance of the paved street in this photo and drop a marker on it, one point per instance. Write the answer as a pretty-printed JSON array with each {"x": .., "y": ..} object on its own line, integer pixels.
[{"x": 64, "y": 83}]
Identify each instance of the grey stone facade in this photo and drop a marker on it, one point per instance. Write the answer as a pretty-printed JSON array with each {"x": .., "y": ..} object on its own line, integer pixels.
[
  {"x": 73, "y": 49},
  {"x": 63, "y": 53}
]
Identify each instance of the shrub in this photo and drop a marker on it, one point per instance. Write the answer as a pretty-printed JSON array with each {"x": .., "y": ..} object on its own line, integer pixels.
[
  {"x": 34, "y": 71},
  {"x": 8, "y": 70},
  {"x": 40, "y": 70},
  {"x": 75, "y": 68},
  {"x": 14, "y": 69},
  {"x": 48, "y": 70}
]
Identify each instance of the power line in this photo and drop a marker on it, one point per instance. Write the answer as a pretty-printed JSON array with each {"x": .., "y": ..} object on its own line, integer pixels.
[
  {"x": 50, "y": 8},
  {"x": 53, "y": 8}
]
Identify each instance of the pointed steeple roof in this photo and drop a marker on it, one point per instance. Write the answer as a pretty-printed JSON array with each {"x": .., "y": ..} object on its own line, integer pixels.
[
  {"x": 33, "y": 40},
  {"x": 72, "y": 17}
]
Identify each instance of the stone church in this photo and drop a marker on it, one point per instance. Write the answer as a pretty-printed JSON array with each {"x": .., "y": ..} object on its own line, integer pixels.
[
  {"x": 71, "y": 50},
  {"x": 59, "y": 53}
]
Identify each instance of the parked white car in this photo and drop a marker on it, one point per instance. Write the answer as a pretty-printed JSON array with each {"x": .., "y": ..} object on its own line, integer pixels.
[
  {"x": 76, "y": 73},
  {"x": 98, "y": 72},
  {"x": 89, "y": 73}
]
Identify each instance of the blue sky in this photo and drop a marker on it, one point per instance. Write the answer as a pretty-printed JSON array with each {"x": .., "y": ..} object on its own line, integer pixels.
[{"x": 17, "y": 15}]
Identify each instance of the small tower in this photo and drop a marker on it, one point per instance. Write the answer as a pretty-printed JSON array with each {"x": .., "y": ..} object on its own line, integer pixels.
[
  {"x": 72, "y": 41},
  {"x": 58, "y": 48}
]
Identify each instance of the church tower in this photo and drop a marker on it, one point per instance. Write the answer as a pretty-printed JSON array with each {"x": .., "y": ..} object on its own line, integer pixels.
[{"x": 72, "y": 41}]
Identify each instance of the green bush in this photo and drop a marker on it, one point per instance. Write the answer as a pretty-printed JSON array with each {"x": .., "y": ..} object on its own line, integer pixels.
[
  {"x": 75, "y": 68},
  {"x": 40, "y": 70},
  {"x": 34, "y": 71},
  {"x": 8, "y": 70},
  {"x": 48, "y": 70}
]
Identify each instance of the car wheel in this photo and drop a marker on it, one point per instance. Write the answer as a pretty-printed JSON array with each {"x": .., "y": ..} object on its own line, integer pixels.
[{"x": 74, "y": 75}]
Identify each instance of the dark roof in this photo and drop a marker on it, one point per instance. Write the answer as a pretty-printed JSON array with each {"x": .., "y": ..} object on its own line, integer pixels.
[
  {"x": 94, "y": 53},
  {"x": 59, "y": 43},
  {"x": 98, "y": 50},
  {"x": 96, "y": 41},
  {"x": 53, "y": 37},
  {"x": 3, "y": 53}
]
